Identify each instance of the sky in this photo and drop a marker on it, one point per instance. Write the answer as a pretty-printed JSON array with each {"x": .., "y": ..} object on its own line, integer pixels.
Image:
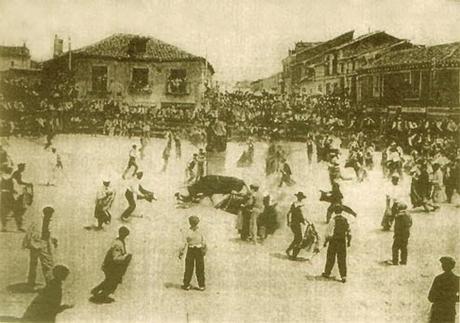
[{"x": 243, "y": 39}]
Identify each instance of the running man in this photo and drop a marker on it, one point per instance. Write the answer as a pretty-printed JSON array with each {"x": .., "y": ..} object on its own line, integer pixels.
[{"x": 132, "y": 162}]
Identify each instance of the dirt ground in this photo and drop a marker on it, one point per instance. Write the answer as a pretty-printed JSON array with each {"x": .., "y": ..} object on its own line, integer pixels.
[{"x": 245, "y": 282}]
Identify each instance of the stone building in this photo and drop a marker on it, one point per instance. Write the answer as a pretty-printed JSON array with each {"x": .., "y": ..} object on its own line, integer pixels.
[
  {"x": 14, "y": 57},
  {"x": 414, "y": 79},
  {"x": 135, "y": 69}
]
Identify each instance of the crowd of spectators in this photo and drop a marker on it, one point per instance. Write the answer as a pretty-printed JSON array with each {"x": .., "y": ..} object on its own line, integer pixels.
[{"x": 33, "y": 109}]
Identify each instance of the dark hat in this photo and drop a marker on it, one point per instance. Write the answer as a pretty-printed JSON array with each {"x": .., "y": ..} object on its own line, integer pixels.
[
  {"x": 193, "y": 220},
  {"x": 48, "y": 210},
  {"x": 300, "y": 195},
  {"x": 447, "y": 261},
  {"x": 60, "y": 272},
  {"x": 123, "y": 231},
  {"x": 254, "y": 186},
  {"x": 21, "y": 164}
]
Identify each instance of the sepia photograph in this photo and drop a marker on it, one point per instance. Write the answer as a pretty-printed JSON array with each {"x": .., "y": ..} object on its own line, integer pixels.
[{"x": 239, "y": 161}]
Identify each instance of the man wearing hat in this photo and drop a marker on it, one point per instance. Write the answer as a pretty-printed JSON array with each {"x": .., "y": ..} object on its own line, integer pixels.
[
  {"x": 403, "y": 223},
  {"x": 104, "y": 201},
  {"x": 132, "y": 162},
  {"x": 444, "y": 293},
  {"x": 116, "y": 262},
  {"x": 295, "y": 220},
  {"x": 39, "y": 241},
  {"x": 195, "y": 246},
  {"x": 338, "y": 236}
]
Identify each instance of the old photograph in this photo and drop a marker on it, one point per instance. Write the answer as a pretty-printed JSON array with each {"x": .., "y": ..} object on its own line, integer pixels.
[{"x": 233, "y": 161}]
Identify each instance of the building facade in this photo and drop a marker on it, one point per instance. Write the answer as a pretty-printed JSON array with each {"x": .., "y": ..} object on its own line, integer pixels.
[
  {"x": 135, "y": 69},
  {"x": 272, "y": 84},
  {"x": 14, "y": 57},
  {"x": 331, "y": 67},
  {"x": 416, "y": 78}
]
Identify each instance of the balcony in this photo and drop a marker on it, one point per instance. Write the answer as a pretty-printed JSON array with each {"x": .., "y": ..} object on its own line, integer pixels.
[
  {"x": 177, "y": 87},
  {"x": 139, "y": 88}
]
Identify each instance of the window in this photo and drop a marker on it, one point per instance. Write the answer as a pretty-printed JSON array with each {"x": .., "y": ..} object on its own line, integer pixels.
[
  {"x": 414, "y": 84},
  {"x": 177, "y": 82},
  {"x": 376, "y": 86},
  {"x": 140, "y": 77},
  {"x": 99, "y": 78},
  {"x": 12, "y": 63},
  {"x": 320, "y": 88}
]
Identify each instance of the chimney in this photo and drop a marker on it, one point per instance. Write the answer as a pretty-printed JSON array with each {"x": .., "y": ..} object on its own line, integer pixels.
[{"x": 58, "y": 47}]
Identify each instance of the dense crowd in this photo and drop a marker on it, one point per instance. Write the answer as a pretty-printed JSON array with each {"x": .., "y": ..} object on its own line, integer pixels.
[{"x": 34, "y": 109}]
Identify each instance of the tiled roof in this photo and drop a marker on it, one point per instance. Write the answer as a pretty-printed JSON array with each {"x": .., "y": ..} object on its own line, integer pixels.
[
  {"x": 438, "y": 55},
  {"x": 128, "y": 46},
  {"x": 309, "y": 53},
  {"x": 301, "y": 45},
  {"x": 366, "y": 43},
  {"x": 14, "y": 51}
]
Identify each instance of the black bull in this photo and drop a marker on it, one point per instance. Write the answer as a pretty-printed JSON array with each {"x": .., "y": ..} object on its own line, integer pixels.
[{"x": 209, "y": 185}]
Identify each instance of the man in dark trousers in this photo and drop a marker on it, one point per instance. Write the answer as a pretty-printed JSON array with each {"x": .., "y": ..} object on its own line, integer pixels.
[
  {"x": 339, "y": 238},
  {"x": 132, "y": 162},
  {"x": 134, "y": 192},
  {"x": 47, "y": 305},
  {"x": 295, "y": 220},
  {"x": 41, "y": 244},
  {"x": 403, "y": 223},
  {"x": 444, "y": 293},
  {"x": 115, "y": 264},
  {"x": 195, "y": 245},
  {"x": 286, "y": 173}
]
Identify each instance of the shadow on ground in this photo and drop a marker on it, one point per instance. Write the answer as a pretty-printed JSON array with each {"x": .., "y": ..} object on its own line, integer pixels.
[
  {"x": 9, "y": 319},
  {"x": 20, "y": 288}
]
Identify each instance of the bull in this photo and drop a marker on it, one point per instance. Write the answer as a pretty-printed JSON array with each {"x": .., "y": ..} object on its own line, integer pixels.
[{"x": 209, "y": 185}]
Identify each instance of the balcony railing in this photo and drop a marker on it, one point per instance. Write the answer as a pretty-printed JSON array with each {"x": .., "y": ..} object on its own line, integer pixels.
[
  {"x": 177, "y": 87},
  {"x": 139, "y": 88}
]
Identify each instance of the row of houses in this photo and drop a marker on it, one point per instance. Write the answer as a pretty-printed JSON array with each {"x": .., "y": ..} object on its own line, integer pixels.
[
  {"x": 131, "y": 68},
  {"x": 374, "y": 70}
]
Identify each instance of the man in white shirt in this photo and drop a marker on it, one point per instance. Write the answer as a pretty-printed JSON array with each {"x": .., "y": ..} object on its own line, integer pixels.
[
  {"x": 195, "y": 248},
  {"x": 394, "y": 195},
  {"x": 104, "y": 201},
  {"x": 134, "y": 192},
  {"x": 132, "y": 162}
]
